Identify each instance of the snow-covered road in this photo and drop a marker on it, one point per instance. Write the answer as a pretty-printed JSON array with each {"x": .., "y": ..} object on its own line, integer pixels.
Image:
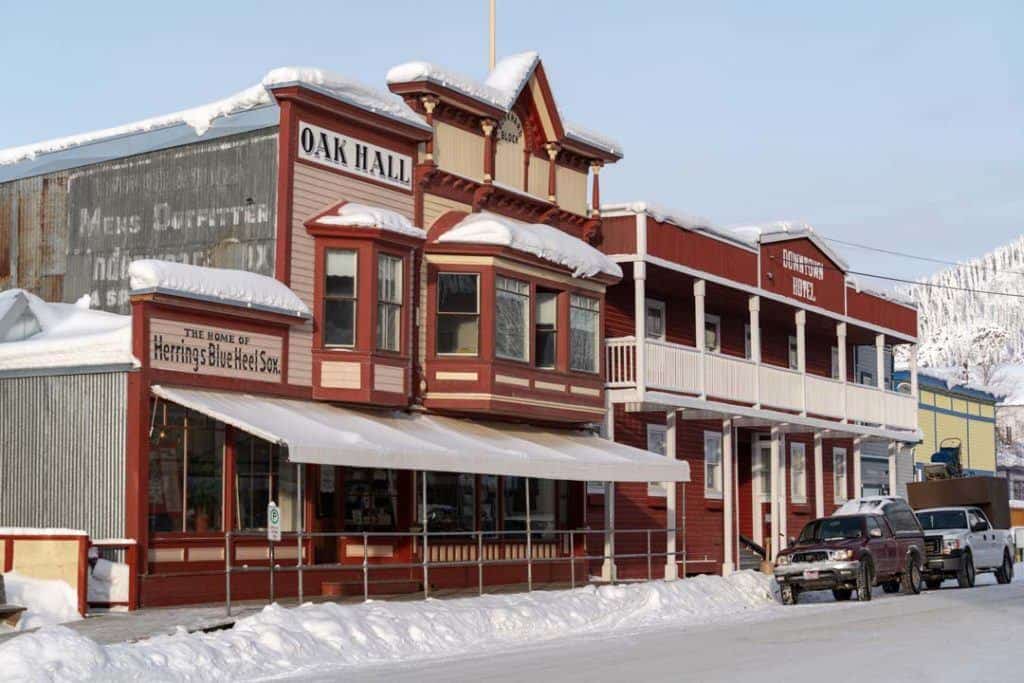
[{"x": 950, "y": 634}]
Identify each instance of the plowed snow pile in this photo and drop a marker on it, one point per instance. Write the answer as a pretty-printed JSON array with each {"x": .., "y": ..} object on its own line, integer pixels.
[{"x": 329, "y": 636}]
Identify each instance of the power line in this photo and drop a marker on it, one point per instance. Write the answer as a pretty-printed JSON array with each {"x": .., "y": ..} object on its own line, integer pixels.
[
  {"x": 916, "y": 283},
  {"x": 917, "y": 257}
]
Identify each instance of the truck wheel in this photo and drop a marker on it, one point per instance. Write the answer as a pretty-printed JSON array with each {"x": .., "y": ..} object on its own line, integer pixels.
[
  {"x": 842, "y": 594},
  {"x": 1005, "y": 573},
  {"x": 965, "y": 575},
  {"x": 788, "y": 595},
  {"x": 891, "y": 586},
  {"x": 864, "y": 580},
  {"x": 933, "y": 584},
  {"x": 911, "y": 580}
]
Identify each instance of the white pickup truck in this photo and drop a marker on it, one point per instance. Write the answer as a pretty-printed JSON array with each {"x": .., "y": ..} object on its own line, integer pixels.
[{"x": 960, "y": 542}]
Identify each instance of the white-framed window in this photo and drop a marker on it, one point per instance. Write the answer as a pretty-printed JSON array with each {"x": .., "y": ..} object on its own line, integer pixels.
[
  {"x": 656, "y": 444},
  {"x": 584, "y": 324},
  {"x": 340, "y": 297},
  {"x": 794, "y": 353},
  {"x": 654, "y": 327},
  {"x": 746, "y": 342},
  {"x": 834, "y": 362},
  {"x": 839, "y": 484},
  {"x": 458, "y": 314},
  {"x": 511, "y": 318},
  {"x": 761, "y": 473},
  {"x": 798, "y": 473},
  {"x": 546, "y": 331},
  {"x": 389, "y": 302},
  {"x": 712, "y": 464},
  {"x": 712, "y": 333}
]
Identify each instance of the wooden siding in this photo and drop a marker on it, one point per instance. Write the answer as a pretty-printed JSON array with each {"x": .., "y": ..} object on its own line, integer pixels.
[
  {"x": 314, "y": 190},
  {"x": 508, "y": 163},
  {"x": 571, "y": 189},
  {"x": 459, "y": 151},
  {"x": 538, "y": 177},
  {"x": 695, "y": 250},
  {"x": 874, "y": 309}
]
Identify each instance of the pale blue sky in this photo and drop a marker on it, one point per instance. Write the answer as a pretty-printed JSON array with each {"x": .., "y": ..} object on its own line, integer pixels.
[{"x": 893, "y": 124}]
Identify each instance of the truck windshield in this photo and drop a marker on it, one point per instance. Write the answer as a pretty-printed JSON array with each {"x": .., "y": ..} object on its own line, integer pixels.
[
  {"x": 942, "y": 519},
  {"x": 832, "y": 529}
]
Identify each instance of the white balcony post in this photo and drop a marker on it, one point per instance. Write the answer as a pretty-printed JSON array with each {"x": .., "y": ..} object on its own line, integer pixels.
[
  {"x": 841, "y": 358},
  {"x": 699, "y": 289},
  {"x": 913, "y": 371},
  {"x": 880, "y": 371},
  {"x": 801, "y": 356},
  {"x": 894, "y": 450},
  {"x": 857, "y": 482},
  {"x": 728, "y": 523},
  {"x": 640, "y": 326},
  {"x": 819, "y": 477},
  {"x": 774, "y": 506},
  {"x": 671, "y": 568},
  {"x": 755, "y": 345}
]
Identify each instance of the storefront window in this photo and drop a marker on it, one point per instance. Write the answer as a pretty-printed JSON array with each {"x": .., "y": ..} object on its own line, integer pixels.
[
  {"x": 451, "y": 499},
  {"x": 512, "y": 319},
  {"x": 371, "y": 498},
  {"x": 340, "y": 298},
  {"x": 389, "y": 302},
  {"x": 584, "y": 320},
  {"x": 547, "y": 329},
  {"x": 542, "y": 506},
  {"x": 186, "y": 461},
  {"x": 489, "y": 510},
  {"x": 458, "y": 313},
  {"x": 263, "y": 474}
]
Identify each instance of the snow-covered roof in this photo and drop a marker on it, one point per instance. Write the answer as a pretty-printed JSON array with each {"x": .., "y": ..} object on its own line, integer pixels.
[
  {"x": 501, "y": 89},
  {"x": 221, "y": 285},
  {"x": 892, "y": 295},
  {"x": 952, "y": 379},
  {"x": 538, "y": 239},
  {"x": 199, "y": 121},
  {"x": 355, "y": 215},
  {"x": 781, "y": 231},
  {"x": 678, "y": 218},
  {"x": 61, "y": 335}
]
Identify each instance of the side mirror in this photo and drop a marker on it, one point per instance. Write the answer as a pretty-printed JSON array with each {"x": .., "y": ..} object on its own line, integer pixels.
[
  {"x": 978, "y": 526},
  {"x": 875, "y": 533}
]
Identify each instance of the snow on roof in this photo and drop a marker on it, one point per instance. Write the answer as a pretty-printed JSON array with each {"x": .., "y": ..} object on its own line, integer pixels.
[
  {"x": 574, "y": 131},
  {"x": 69, "y": 336},
  {"x": 952, "y": 378},
  {"x": 678, "y": 218},
  {"x": 355, "y": 215},
  {"x": 233, "y": 287},
  {"x": 201, "y": 118},
  {"x": 542, "y": 241},
  {"x": 785, "y": 230}
]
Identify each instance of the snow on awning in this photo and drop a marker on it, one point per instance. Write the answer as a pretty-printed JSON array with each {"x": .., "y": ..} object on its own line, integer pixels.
[{"x": 320, "y": 433}]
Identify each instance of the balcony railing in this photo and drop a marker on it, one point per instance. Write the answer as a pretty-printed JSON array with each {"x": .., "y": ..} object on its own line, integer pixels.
[{"x": 685, "y": 370}]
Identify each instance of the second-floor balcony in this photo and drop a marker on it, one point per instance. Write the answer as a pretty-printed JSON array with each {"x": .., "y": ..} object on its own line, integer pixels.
[{"x": 687, "y": 371}]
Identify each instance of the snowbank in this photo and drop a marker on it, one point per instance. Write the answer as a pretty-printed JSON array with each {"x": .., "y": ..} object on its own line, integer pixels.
[
  {"x": 326, "y": 637},
  {"x": 237, "y": 287},
  {"x": 48, "y": 602},
  {"x": 355, "y": 215},
  {"x": 69, "y": 335},
  {"x": 108, "y": 582},
  {"x": 542, "y": 241}
]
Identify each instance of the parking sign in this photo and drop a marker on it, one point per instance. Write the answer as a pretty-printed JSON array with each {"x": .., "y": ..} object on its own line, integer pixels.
[{"x": 273, "y": 522}]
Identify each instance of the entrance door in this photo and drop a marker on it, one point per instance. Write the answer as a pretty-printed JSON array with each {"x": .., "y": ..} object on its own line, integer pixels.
[{"x": 761, "y": 487}]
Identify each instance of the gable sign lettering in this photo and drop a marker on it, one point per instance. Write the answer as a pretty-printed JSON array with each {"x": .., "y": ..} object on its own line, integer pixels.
[
  {"x": 810, "y": 269},
  {"x": 334, "y": 150}
]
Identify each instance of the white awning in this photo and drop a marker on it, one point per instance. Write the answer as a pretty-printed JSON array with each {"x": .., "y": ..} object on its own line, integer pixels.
[{"x": 325, "y": 434}]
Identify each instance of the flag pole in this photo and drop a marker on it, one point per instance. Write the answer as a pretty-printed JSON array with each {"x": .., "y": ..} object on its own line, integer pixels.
[{"x": 491, "y": 62}]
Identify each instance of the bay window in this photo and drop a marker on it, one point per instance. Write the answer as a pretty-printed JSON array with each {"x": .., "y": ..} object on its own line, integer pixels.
[
  {"x": 546, "y": 334},
  {"x": 389, "y": 302},
  {"x": 798, "y": 473},
  {"x": 340, "y": 298},
  {"x": 712, "y": 464},
  {"x": 458, "y": 313},
  {"x": 584, "y": 323},
  {"x": 512, "y": 318}
]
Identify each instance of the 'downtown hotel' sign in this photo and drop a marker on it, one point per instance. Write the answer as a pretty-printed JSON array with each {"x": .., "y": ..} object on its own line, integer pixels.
[{"x": 217, "y": 351}]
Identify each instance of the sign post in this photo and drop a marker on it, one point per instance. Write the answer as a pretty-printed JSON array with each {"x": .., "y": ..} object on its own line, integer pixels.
[{"x": 273, "y": 536}]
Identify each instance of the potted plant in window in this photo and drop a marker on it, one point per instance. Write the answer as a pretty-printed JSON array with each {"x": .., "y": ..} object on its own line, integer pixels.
[{"x": 204, "y": 501}]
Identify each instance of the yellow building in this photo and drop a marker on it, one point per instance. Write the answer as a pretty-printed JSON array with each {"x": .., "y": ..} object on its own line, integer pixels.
[{"x": 956, "y": 412}]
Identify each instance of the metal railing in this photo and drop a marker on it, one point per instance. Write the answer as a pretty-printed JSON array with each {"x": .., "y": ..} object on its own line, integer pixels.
[{"x": 419, "y": 545}]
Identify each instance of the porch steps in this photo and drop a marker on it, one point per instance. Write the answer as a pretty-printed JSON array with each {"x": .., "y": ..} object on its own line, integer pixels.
[{"x": 749, "y": 559}]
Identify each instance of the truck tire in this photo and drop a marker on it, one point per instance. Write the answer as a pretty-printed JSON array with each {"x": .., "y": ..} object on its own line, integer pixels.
[
  {"x": 788, "y": 595},
  {"x": 842, "y": 594},
  {"x": 891, "y": 586},
  {"x": 933, "y": 584},
  {"x": 910, "y": 582},
  {"x": 1005, "y": 572},
  {"x": 864, "y": 580},
  {"x": 965, "y": 575}
]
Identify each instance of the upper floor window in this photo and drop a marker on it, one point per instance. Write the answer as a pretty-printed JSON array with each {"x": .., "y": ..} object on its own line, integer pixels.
[
  {"x": 712, "y": 333},
  {"x": 584, "y": 323},
  {"x": 340, "y": 298},
  {"x": 655, "y": 321},
  {"x": 546, "y": 335},
  {"x": 512, "y": 319},
  {"x": 794, "y": 353},
  {"x": 389, "y": 302},
  {"x": 458, "y": 313}
]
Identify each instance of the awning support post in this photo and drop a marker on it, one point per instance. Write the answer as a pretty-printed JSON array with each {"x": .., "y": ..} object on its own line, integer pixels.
[
  {"x": 608, "y": 570},
  {"x": 529, "y": 539},
  {"x": 426, "y": 553},
  {"x": 671, "y": 533}
]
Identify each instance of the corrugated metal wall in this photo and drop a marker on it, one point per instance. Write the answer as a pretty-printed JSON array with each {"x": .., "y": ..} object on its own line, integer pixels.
[{"x": 62, "y": 452}]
